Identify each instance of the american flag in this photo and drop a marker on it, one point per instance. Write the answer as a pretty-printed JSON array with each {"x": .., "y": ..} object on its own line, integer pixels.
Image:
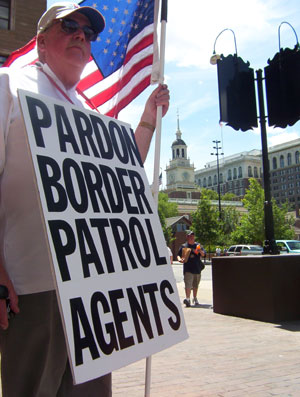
[{"x": 124, "y": 57}]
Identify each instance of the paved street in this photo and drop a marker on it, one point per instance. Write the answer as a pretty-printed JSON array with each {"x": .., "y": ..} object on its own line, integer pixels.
[{"x": 224, "y": 356}]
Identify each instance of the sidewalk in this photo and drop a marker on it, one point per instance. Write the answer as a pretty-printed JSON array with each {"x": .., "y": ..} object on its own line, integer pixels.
[{"x": 224, "y": 356}]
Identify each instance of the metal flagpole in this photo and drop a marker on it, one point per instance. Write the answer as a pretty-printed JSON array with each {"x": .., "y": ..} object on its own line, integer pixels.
[{"x": 155, "y": 184}]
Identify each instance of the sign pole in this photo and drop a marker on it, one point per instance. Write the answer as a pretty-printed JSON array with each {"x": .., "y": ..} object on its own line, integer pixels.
[{"x": 155, "y": 184}]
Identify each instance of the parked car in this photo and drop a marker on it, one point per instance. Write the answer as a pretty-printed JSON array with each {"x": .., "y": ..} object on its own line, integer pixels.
[
  {"x": 243, "y": 249},
  {"x": 288, "y": 246}
]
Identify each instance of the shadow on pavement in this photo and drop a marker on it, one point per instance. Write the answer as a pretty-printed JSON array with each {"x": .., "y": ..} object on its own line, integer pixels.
[
  {"x": 293, "y": 326},
  {"x": 200, "y": 306}
]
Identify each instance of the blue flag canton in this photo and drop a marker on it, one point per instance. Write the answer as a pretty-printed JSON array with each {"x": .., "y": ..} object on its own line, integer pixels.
[{"x": 124, "y": 19}]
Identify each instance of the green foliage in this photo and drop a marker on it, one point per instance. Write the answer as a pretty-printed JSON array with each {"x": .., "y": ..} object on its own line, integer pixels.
[
  {"x": 209, "y": 194},
  {"x": 229, "y": 197},
  {"x": 205, "y": 221},
  {"x": 228, "y": 223},
  {"x": 252, "y": 224},
  {"x": 166, "y": 210}
]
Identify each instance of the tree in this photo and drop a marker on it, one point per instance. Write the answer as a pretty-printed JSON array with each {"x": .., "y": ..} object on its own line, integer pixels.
[
  {"x": 205, "y": 221},
  {"x": 252, "y": 224},
  {"x": 210, "y": 194},
  {"x": 228, "y": 223},
  {"x": 166, "y": 210},
  {"x": 229, "y": 197}
]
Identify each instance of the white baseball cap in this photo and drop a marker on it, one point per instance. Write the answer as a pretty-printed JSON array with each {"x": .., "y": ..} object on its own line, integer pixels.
[{"x": 63, "y": 9}]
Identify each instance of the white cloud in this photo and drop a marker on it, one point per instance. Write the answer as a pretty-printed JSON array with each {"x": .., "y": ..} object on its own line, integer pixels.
[{"x": 284, "y": 136}]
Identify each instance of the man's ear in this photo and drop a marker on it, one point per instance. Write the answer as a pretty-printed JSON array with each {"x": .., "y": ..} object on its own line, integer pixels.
[{"x": 41, "y": 42}]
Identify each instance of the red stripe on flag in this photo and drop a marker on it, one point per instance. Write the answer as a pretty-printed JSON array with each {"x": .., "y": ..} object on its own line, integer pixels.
[
  {"x": 130, "y": 97},
  {"x": 21, "y": 51},
  {"x": 144, "y": 43},
  {"x": 107, "y": 94},
  {"x": 90, "y": 80}
]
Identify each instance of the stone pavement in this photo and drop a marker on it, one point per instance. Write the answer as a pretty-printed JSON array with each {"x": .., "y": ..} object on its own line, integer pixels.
[{"x": 224, "y": 356}]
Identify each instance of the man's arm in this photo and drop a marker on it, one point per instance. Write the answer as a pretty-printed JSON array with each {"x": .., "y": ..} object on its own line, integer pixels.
[{"x": 144, "y": 131}]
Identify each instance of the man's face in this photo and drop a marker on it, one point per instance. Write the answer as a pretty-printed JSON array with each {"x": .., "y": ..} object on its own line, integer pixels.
[
  {"x": 65, "y": 50},
  {"x": 191, "y": 239}
]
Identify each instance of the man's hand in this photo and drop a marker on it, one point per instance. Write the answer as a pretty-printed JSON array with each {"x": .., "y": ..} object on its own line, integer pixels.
[
  {"x": 159, "y": 97},
  {"x": 12, "y": 296}
]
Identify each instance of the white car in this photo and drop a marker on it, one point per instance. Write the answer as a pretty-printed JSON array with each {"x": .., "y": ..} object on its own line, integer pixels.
[{"x": 243, "y": 249}]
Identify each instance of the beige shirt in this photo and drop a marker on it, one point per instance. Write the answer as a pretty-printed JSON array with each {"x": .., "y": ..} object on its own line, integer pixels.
[{"x": 23, "y": 246}]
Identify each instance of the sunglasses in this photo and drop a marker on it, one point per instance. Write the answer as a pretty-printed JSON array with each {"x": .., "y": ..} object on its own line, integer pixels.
[{"x": 70, "y": 26}]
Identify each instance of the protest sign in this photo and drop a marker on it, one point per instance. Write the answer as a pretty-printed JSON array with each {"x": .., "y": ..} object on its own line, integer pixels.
[{"x": 115, "y": 286}]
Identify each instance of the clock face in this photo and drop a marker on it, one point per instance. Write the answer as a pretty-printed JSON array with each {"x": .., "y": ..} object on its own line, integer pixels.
[{"x": 186, "y": 176}]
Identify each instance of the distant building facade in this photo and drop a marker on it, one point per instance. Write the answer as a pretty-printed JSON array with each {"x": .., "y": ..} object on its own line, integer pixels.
[
  {"x": 181, "y": 172},
  {"x": 284, "y": 160},
  {"x": 18, "y": 22},
  {"x": 235, "y": 172}
]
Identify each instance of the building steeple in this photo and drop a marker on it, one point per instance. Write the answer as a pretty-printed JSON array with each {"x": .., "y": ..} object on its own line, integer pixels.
[{"x": 178, "y": 132}]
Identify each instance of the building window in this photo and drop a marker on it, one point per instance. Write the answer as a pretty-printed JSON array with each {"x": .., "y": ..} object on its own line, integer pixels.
[
  {"x": 281, "y": 161},
  {"x": 204, "y": 182},
  {"x": 274, "y": 163},
  {"x": 289, "y": 159},
  {"x": 215, "y": 179},
  {"x": 182, "y": 153},
  {"x": 199, "y": 182},
  {"x": 221, "y": 178},
  {"x": 4, "y": 14},
  {"x": 229, "y": 175},
  {"x": 250, "y": 171},
  {"x": 297, "y": 157},
  {"x": 240, "y": 172},
  {"x": 234, "y": 173},
  {"x": 255, "y": 172},
  {"x": 177, "y": 152},
  {"x": 209, "y": 181}
]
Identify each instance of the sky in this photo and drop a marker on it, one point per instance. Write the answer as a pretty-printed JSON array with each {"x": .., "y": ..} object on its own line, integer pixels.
[{"x": 190, "y": 36}]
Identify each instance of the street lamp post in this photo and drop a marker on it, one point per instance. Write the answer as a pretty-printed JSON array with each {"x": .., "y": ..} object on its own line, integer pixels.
[{"x": 217, "y": 148}]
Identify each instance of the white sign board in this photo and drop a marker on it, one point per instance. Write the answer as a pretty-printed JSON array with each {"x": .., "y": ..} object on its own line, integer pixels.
[{"x": 116, "y": 289}]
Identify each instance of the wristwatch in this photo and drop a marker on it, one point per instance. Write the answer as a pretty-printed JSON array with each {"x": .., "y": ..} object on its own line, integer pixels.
[{"x": 3, "y": 292}]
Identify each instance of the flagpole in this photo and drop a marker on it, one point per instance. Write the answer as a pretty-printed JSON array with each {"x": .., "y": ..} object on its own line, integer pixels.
[{"x": 155, "y": 184}]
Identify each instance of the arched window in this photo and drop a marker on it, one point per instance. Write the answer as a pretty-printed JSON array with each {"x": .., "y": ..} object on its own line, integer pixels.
[
  {"x": 229, "y": 175},
  {"x": 215, "y": 179},
  {"x": 209, "y": 181},
  {"x": 221, "y": 178},
  {"x": 250, "y": 171},
  {"x": 274, "y": 163},
  {"x": 255, "y": 172},
  {"x": 204, "y": 182},
  {"x": 289, "y": 159},
  {"x": 182, "y": 153},
  {"x": 199, "y": 182},
  {"x": 297, "y": 157},
  {"x": 240, "y": 172},
  {"x": 281, "y": 161},
  {"x": 177, "y": 152},
  {"x": 234, "y": 173}
]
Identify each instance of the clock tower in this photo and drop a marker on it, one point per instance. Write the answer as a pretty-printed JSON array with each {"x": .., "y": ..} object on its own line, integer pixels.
[{"x": 180, "y": 172}]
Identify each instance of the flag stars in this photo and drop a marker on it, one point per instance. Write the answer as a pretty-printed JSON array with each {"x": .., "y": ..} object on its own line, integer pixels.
[
  {"x": 105, "y": 8},
  {"x": 113, "y": 20},
  {"x": 120, "y": 33},
  {"x": 116, "y": 9},
  {"x": 108, "y": 41},
  {"x": 123, "y": 22},
  {"x": 110, "y": 30},
  {"x": 126, "y": 12},
  {"x": 111, "y": 63},
  {"x": 105, "y": 50}
]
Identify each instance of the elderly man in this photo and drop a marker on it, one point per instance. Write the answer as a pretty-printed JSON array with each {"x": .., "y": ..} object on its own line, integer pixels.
[{"x": 33, "y": 353}]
